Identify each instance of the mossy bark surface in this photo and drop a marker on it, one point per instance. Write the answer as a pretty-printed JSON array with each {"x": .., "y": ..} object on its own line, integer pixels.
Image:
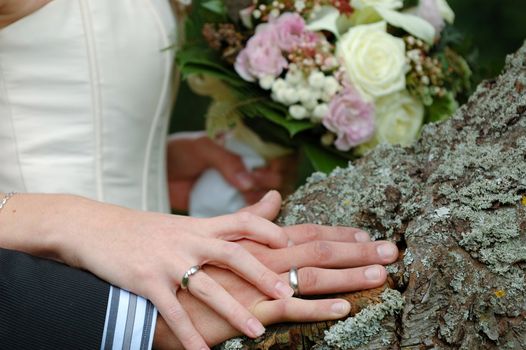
[{"x": 455, "y": 203}]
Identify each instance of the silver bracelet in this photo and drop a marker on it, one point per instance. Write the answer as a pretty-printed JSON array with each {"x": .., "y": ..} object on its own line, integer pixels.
[{"x": 5, "y": 199}]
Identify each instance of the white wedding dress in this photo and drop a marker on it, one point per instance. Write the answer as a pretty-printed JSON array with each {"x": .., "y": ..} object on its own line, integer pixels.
[{"x": 85, "y": 96}]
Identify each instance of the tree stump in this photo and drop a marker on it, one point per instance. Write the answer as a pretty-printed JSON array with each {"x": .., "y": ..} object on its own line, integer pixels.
[{"x": 455, "y": 203}]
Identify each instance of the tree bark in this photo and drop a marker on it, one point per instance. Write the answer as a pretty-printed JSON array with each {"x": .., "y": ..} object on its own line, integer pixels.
[{"x": 455, "y": 203}]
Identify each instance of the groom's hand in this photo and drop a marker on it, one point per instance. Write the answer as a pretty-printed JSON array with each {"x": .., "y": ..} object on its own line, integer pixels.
[
  {"x": 329, "y": 260},
  {"x": 356, "y": 273}
]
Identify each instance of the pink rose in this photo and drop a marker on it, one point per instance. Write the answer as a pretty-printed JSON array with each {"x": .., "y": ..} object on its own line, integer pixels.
[
  {"x": 351, "y": 118},
  {"x": 290, "y": 29},
  {"x": 429, "y": 10},
  {"x": 261, "y": 57}
]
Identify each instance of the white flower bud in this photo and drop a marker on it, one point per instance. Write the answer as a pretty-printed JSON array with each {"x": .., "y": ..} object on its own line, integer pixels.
[
  {"x": 330, "y": 86},
  {"x": 279, "y": 84},
  {"x": 279, "y": 96},
  {"x": 294, "y": 77},
  {"x": 298, "y": 112},
  {"x": 304, "y": 94},
  {"x": 290, "y": 96},
  {"x": 310, "y": 104},
  {"x": 320, "y": 111},
  {"x": 316, "y": 79},
  {"x": 266, "y": 82}
]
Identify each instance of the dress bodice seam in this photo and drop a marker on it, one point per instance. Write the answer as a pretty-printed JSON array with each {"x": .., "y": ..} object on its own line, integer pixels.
[
  {"x": 96, "y": 95},
  {"x": 12, "y": 124},
  {"x": 158, "y": 111}
]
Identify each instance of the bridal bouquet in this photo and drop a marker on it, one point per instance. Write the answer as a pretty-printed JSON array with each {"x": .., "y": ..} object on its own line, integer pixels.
[{"x": 334, "y": 77}]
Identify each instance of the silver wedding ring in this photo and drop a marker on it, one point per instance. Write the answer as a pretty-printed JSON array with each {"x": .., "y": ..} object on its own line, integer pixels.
[
  {"x": 294, "y": 281},
  {"x": 186, "y": 277}
]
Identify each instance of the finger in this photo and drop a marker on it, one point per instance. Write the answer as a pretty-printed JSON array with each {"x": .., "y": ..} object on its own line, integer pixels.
[
  {"x": 214, "y": 295},
  {"x": 246, "y": 225},
  {"x": 231, "y": 168},
  {"x": 327, "y": 254},
  {"x": 237, "y": 259},
  {"x": 301, "y": 310},
  {"x": 316, "y": 281},
  {"x": 179, "y": 321},
  {"x": 268, "y": 207},
  {"x": 299, "y": 234}
]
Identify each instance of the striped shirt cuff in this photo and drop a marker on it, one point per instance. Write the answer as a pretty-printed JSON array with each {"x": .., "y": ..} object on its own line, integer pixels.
[{"x": 130, "y": 322}]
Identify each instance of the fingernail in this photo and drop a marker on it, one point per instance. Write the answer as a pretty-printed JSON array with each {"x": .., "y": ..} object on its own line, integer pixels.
[
  {"x": 373, "y": 273},
  {"x": 245, "y": 181},
  {"x": 386, "y": 251},
  {"x": 255, "y": 327},
  {"x": 341, "y": 308},
  {"x": 290, "y": 243},
  {"x": 284, "y": 290},
  {"x": 361, "y": 236}
]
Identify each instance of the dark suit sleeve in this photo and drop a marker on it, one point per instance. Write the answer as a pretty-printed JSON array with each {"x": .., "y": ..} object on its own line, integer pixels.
[{"x": 48, "y": 305}]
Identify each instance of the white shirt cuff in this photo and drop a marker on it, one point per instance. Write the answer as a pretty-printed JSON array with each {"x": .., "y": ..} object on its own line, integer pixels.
[{"x": 130, "y": 322}]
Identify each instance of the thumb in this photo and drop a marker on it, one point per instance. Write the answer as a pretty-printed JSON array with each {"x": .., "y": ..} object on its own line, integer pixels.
[{"x": 268, "y": 207}]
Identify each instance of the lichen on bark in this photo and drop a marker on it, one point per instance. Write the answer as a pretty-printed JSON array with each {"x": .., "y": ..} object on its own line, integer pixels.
[{"x": 455, "y": 202}]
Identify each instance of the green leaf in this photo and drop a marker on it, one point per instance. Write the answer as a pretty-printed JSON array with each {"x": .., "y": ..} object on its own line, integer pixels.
[
  {"x": 215, "y": 6},
  {"x": 280, "y": 117},
  {"x": 322, "y": 159},
  {"x": 441, "y": 109}
]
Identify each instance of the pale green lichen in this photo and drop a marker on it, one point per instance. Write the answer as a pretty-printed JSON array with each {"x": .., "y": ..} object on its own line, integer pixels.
[
  {"x": 454, "y": 199},
  {"x": 233, "y": 344},
  {"x": 358, "y": 330}
]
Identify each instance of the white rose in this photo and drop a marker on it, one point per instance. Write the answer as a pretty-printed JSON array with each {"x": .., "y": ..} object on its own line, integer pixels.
[
  {"x": 374, "y": 59},
  {"x": 389, "y": 4},
  {"x": 398, "y": 119}
]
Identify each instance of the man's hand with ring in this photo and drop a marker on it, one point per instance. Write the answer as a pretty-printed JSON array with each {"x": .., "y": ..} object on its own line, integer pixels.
[{"x": 329, "y": 260}]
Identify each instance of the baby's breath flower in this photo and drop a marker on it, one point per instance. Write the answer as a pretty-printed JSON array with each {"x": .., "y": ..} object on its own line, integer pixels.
[
  {"x": 320, "y": 111},
  {"x": 316, "y": 79},
  {"x": 298, "y": 112}
]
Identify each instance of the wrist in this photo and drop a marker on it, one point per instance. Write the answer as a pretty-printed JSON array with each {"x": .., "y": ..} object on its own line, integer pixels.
[{"x": 25, "y": 224}]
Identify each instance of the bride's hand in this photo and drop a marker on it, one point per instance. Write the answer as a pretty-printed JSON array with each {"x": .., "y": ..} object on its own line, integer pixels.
[
  {"x": 188, "y": 158},
  {"x": 148, "y": 253}
]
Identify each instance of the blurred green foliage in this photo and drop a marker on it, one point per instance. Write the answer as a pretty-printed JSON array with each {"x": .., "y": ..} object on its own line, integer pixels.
[{"x": 493, "y": 29}]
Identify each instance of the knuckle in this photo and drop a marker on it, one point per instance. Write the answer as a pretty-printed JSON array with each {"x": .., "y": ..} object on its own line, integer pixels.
[
  {"x": 175, "y": 314},
  {"x": 191, "y": 340},
  {"x": 232, "y": 251},
  {"x": 264, "y": 277},
  {"x": 322, "y": 250},
  {"x": 236, "y": 313},
  {"x": 281, "y": 309},
  {"x": 244, "y": 218},
  {"x": 311, "y": 232}
]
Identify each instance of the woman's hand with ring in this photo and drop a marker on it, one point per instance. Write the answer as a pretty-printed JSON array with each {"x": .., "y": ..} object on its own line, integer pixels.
[{"x": 150, "y": 253}]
